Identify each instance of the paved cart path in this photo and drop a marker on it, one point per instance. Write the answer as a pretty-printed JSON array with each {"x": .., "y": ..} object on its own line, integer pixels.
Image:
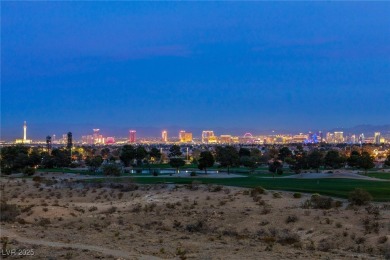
[{"x": 113, "y": 252}]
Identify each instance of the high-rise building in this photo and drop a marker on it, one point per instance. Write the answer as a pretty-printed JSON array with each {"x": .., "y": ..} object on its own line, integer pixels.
[
  {"x": 164, "y": 136},
  {"x": 132, "y": 136},
  {"x": 338, "y": 137},
  {"x": 182, "y": 134},
  {"x": 353, "y": 139},
  {"x": 377, "y": 137},
  {"x": 207, "y": 135},
  {"x": 69, "y": 142},
  {"x": 96, "y": 135},
  {"x": 225, "y": 139},
  {"x": 24, "y": 140},
  {"x": 48, "y": 143},
  {"x": 188, "y": 137},
  {"x": 24, "y": 132},
  {"x": 361, "y": 138},
  {"x": 329, "y": 137}
]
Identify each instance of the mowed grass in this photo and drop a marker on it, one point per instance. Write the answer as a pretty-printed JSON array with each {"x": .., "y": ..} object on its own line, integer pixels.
[
  {"x": 380, "y": 175},
  {"x": 331, "y": 187}
]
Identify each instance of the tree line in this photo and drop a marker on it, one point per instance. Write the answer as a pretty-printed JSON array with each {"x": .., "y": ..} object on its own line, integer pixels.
[{"x": 21, "y": 158}]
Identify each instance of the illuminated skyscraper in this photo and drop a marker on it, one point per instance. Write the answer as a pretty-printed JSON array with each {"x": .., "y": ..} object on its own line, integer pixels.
[
  {"x": 164, "y": 136},
  {"x": 338, "y": 137},
  {"x": 225, "y": 139},
  {"x": 207, "y": 135},
  {"x": 377, "y": 137},
  {"x": 188, "y": 137},
  {"x": 96, "y": 135},
  {"x": 361, "y": 138},
  {"x": 182, "y": 134},
  {"x": 24, "y": 132},
  {"x": 132, "y": 136}
]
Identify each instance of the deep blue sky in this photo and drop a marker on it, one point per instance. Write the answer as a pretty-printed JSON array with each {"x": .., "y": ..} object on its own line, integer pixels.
[{"x": 74, "y": 66}]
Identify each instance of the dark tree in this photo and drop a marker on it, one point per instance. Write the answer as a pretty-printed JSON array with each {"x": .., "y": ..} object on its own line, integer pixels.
[
  {"x": 94, "y": 163},
  {"x": 47, "y": 161},
  {"x": 105, "y": 152},
  {"x": 227, "y": 157},
  {"x": 249, "y": 162},
  {"x": 387, "y": 162},
  {"x": 276, "y": 167},
  {"x": 244, "y": 152},
  {"x": 284, "y": 153},
  {"x": 366, "y": 161},
  {"x": 298, "y": 161},
  {"x": 174, "y": 151},
  {"x": 13, "y": 158},
  {"x": 140, "y": 154},
  {"x": 155, "y": 154},
  {"x": 272, "y": 153},
  {"x": 69, "y": 141},
  {"x": 61, "y": 158},
  {"x": 111, "y": 169},
  {"x": 353, "y": 159},
  {"x": 176, "y": 163},
  {"x": 333, "y": 160},
  {"x": 315, "y": 159},
  {"x": 127, "y": 154},
  {"x": 205, "y": 161}
]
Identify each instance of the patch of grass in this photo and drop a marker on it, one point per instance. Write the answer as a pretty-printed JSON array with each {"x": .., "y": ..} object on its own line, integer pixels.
[{"x": 332, "y": 187}]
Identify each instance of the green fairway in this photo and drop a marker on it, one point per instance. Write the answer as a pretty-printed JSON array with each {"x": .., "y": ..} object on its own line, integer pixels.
[
  {"x": 380, "y": 175},
  {"x": 332, "y": 187}
]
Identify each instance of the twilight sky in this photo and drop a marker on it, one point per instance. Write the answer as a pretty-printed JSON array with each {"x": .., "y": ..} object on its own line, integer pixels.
[{"x": 74, "y": 66}]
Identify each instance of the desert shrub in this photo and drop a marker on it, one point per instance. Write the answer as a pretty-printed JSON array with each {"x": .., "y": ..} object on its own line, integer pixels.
[
  {"x": 37, "y": 178},
  {"x": 373, "y": 210},
  {"x": 29, "y": 171},
  {"x": 44, "y": 222},
  {"x": 339, "y": 225},
  {"x": 370, "y": 225},
  {"x": 9, "y": 212},
  {"x": 291, "y": 219},
  {"x": 93, "y": 208},
  {"x": 277, "y": 195},
  {"x": 256, "y": 191},
  {"x": 110, "y": 210},
  {"x": 21, "y": 221},
  {"x": 359, "y": 197},
  {"x": 199, "y": 226},
  {"x": 325, "y": 245},
  {"x": 286, "y": 237},
  {"x": 266, "y": 210},
  {"x": 382, "y": 239},
  {"x": 297, "y": 195},
  {"x": 319, "y": 202},
  {"x": 216, "y": 188},
  {"x": 194, "y": 185},
  {"x": 137, "y": 208},
  {"x": 150, "y": 207},
  {"x": 170, "y": 205}
]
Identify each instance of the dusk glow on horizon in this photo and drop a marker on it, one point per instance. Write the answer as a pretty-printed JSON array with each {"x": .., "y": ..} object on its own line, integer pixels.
[{"x": 154, "y": 66}]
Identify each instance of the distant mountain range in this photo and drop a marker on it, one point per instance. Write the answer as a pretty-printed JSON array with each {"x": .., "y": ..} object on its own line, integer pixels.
[{"x": 366, "y": 129}]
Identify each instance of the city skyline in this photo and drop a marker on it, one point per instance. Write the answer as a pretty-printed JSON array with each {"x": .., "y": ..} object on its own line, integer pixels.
[
  {"x": 137, "y": 65},
  {"x": 184, "y": 136}
]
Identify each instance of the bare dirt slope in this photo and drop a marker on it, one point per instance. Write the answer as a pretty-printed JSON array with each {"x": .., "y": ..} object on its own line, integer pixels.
[{"x": 73, "y": 221}]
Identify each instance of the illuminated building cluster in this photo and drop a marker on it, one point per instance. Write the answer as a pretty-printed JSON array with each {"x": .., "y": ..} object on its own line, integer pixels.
[{"x": 209, "y": 137}]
